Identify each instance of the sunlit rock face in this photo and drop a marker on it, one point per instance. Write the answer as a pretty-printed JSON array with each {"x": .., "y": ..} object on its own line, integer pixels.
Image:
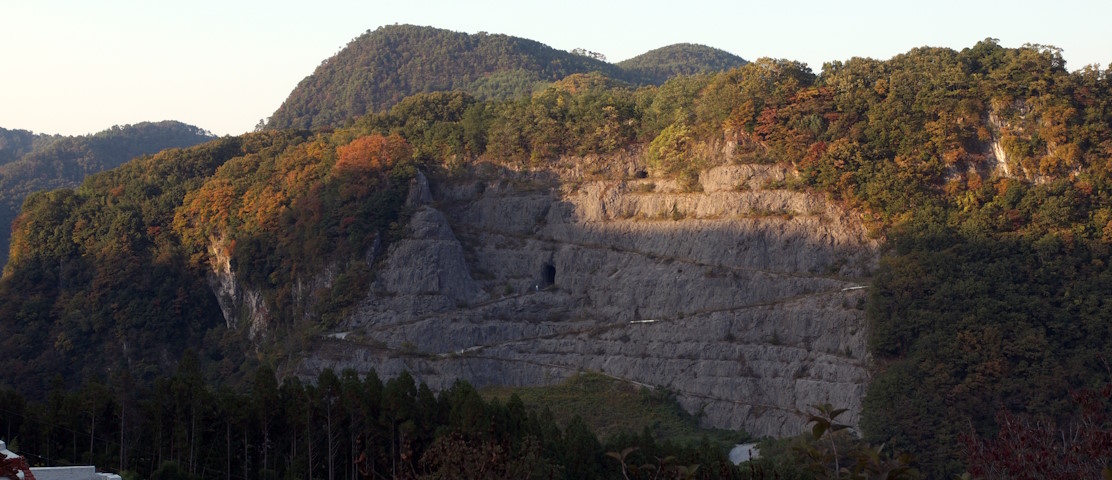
[{"x": 743, "y": 298}]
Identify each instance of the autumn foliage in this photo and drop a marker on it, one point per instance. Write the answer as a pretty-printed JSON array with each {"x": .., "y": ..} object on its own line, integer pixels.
[
  {"x": 371, "y": 153},
  {"x": 285, "y": 213},
  {"x": 1037, "y": 448}
]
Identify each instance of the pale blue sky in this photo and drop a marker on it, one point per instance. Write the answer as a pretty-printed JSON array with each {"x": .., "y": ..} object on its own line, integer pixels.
[{"x": 80, "y": 66}]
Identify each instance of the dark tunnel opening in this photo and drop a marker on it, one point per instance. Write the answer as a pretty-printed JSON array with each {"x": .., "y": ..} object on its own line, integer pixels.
[{"x": 548, "y": 275}]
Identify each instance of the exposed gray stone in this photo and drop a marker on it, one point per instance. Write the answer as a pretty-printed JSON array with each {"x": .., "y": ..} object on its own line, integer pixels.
[{"x": 738, "y": 298}]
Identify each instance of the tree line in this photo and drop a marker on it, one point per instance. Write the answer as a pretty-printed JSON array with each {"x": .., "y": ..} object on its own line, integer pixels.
[{"x": 337, "y": 427}]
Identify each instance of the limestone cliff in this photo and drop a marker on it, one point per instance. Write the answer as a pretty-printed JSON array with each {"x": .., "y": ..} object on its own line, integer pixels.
[
  {"x": 243, "y": 302},
  {"x": 743, "y": 299}
]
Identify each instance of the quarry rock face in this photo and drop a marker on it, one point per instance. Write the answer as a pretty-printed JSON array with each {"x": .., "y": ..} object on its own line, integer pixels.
[{"x": 744, "y": 299}]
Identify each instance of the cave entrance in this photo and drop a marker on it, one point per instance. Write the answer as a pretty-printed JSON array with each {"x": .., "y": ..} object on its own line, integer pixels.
[{"x": 548, "y": 274}]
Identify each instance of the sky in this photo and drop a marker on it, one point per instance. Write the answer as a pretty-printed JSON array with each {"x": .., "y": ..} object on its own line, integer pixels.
[{"x": 76, "y": 67}]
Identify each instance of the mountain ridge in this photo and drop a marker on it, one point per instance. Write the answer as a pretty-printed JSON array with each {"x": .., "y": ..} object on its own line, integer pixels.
[
  {"x": 379, "y": 68},
  {"x": 37, "y": 162}
]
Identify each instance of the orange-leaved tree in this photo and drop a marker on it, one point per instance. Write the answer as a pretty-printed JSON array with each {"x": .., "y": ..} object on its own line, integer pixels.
[{"x": 371, "y": 153}]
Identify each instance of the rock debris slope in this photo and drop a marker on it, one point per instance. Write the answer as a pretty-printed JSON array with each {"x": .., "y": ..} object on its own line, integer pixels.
[{"x": 740, "y": 298}]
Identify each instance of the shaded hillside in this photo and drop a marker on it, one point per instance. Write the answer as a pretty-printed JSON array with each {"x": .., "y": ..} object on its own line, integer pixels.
[
  {"x": 657, "y": 66},
  {"x": 111, "y": 277},
  {"x": 14, "y": 144},
  {"x": 92, "y": 285},
  {"x": 45, "y": 162},
  {"x": 380, "y": 68}
]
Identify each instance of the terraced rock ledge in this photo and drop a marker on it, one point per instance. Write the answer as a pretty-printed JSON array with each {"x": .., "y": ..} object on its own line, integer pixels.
[{"x": 743, "y": 298}]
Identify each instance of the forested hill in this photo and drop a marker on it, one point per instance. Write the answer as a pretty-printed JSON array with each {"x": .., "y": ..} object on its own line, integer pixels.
[
  {"x": 381, "y": 67},
  {"x": 32, "y": 162},
  {"x": 14, "y": 144},
  {"x": 985, "y": 170},
  {"x": 657, "y": 66}
]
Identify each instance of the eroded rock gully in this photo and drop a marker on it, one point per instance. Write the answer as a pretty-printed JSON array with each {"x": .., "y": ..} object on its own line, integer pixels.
[{"x": 740, "y": 298}]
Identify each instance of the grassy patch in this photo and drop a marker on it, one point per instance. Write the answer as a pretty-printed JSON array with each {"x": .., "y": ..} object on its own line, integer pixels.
[{"x": 611, "y": 406}]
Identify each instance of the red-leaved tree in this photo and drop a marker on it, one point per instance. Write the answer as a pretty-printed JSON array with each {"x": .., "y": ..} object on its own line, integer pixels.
[{"x": 1037, "y": 448}]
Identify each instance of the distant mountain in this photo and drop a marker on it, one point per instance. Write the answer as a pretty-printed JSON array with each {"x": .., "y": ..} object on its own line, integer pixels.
[
  {"x": 14, "y": 144},
  {"x": 32, "y": 162},
  {"x": 657, "y": 66},
  {"x": 380, "y": 68}
]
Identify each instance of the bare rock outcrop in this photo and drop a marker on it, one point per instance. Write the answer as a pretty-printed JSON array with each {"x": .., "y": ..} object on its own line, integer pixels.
[{"x": 744, "y": 299}]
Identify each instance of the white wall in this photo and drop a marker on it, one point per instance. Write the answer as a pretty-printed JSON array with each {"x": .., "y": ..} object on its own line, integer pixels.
[{"x": 65, "y": 473}]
